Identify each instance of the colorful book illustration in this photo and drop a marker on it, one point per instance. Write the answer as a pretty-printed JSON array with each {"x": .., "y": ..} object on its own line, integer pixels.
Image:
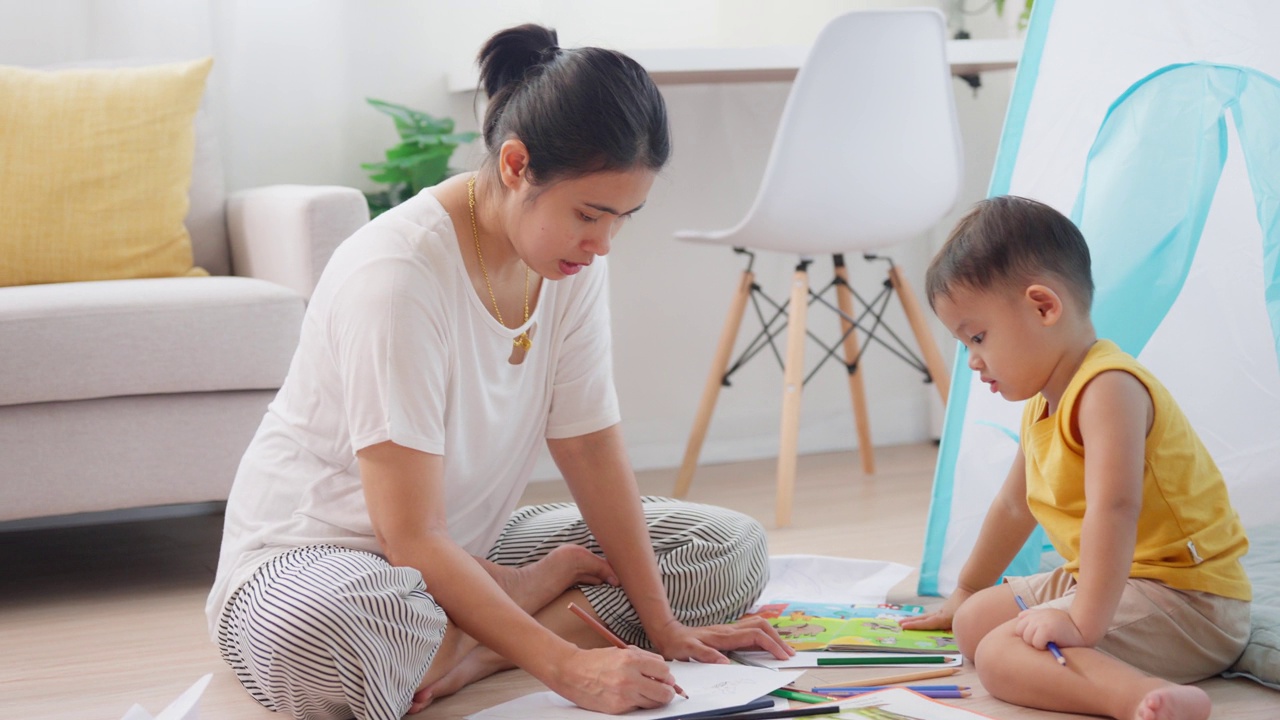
[{"x": 853, "y": 628}]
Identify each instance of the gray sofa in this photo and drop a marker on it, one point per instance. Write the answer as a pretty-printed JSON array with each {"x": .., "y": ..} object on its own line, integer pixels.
[{"x": 136, "y": 393}]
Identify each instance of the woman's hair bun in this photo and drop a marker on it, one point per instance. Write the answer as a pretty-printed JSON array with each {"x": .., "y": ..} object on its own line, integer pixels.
[
  {"x": 508, "y": 55},
  {"x": 577, "y": 111}
]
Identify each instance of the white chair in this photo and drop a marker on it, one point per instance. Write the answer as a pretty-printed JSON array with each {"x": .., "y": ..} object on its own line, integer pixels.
[{"x": 867, "y": 154}]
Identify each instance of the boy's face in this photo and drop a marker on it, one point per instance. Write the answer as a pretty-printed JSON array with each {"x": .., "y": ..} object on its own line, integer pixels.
[{"x": 1003, "y": 332}]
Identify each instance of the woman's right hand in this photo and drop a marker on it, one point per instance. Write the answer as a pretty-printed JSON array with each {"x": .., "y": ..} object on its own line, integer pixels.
[
  {"x": 615, "y": 680},
  {"x": 941, "y": 618}
]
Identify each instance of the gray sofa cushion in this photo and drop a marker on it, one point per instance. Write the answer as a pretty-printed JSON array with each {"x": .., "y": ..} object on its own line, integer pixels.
[
  {"x": 1261, "y": 658},
  {"x": 75, "y": 341}
]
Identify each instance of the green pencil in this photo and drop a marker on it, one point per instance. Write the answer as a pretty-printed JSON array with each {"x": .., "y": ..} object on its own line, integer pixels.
[
  {"x": 904, "y": 660},
  {"x": 800, "y": 696}
]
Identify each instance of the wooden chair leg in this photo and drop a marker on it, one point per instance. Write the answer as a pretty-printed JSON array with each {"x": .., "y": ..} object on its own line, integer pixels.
[
  {"x": 793, "y": 388},
  {"x": 715, "y": 379},
  {"x": 919, "y": 326},
  {"x": 857, "y": 392}
]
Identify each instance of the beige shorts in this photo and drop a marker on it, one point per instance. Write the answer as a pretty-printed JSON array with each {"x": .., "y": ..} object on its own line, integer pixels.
[{"x": 1179, "y": 635}]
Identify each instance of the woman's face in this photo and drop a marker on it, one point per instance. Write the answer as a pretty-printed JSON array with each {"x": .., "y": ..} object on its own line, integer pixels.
[{"x": 559, "y": 228}]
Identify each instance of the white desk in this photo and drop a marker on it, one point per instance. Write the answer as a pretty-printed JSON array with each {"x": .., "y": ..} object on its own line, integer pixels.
[{"x": 778, "y": 63}]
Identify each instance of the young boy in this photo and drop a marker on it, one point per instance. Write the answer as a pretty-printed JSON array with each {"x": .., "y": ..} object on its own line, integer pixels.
[{"x": 1152, "y": 593}]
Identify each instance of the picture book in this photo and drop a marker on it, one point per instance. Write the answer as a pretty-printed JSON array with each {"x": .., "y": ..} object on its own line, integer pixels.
[
  {"x": 853, "y": 628},
  {"x": 835, "y": 610}
]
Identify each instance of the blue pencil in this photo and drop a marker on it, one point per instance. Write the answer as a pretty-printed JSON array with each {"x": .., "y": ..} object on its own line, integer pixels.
[
  {"x": 872, "y": 688},
  {"x": 1053, "y": 646}
]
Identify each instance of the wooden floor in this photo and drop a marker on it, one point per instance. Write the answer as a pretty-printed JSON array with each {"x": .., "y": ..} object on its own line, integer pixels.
[{"x": 93, "y": 619}]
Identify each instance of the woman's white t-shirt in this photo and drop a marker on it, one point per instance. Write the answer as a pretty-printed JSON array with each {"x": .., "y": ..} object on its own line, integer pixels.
[{"x": 396, "y": 345}]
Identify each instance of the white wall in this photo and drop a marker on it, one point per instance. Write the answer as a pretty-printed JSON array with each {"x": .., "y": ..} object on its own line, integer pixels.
[{"x": 288, "y": 91}]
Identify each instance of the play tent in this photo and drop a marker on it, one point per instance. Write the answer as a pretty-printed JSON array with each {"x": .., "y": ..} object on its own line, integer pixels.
[{"x": 1155, "y": 124}]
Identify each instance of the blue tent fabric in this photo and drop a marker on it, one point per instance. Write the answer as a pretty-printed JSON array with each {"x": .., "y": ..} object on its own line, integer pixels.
[{"x": 1150, "y": 178}]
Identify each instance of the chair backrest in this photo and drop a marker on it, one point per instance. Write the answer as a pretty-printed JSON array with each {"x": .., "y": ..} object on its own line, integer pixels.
[{"x": 868, "y": 149}]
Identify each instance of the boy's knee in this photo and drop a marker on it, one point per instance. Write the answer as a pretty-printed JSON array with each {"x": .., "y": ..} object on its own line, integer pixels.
[
  {"x": 991, "y": 660},
  {"x": 967, "y": 629}
]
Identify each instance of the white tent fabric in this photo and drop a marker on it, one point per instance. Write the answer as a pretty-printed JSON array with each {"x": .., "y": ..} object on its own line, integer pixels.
[{"x": 1156, "y": 125}]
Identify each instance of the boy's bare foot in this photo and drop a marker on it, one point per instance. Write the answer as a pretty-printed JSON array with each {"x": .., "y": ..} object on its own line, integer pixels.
[
  {"x": 536, "y": 584},
  {"x": 477, "y": 665},
  {"x": 1175, "y": 702}
]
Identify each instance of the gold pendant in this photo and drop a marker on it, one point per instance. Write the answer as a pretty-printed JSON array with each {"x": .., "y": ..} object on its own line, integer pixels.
[{"x": 520, "y": 346}]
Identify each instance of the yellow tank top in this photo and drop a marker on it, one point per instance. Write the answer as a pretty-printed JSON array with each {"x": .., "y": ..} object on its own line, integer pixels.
[{"x": 1189, "y": 536}]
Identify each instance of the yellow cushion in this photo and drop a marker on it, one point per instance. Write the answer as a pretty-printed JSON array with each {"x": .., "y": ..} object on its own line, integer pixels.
[{"x": 95, "y": 166}]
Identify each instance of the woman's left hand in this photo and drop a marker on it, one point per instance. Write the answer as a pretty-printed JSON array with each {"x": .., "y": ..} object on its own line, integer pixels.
[
  {"x": 704, "y": 644},
  {"x": 1039, "y": 627}
]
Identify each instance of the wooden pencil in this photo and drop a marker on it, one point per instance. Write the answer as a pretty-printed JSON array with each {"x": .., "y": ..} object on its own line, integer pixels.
[
  {"x": 607, "y": 634},
  {"x": 900, "y": 678}
]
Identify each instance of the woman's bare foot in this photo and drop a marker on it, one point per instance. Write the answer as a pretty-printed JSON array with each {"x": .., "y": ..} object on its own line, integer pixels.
[
  {"x": 536, "y": 584},
  {"x": 532, "y": 587},
  {"x": 477, "y": 665},
  {"x": 1175, "y": 702}
]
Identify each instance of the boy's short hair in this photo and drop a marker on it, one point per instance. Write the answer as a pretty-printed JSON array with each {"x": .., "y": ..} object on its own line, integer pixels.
[{"x": 1006, "y": 242}]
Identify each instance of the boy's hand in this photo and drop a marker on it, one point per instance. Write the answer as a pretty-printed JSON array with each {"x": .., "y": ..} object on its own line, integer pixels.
[
  {"x": 939, "y": 619},
  {"x": 1038, "y": 627}
]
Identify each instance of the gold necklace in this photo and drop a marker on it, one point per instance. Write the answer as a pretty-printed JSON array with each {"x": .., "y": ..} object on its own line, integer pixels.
[{"x": 522, "y": 341}]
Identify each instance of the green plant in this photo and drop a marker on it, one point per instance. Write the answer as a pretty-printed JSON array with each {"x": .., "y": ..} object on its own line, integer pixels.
[
  {"x": 1023, "y": 18},
  {"x": 420, "y": 160}
]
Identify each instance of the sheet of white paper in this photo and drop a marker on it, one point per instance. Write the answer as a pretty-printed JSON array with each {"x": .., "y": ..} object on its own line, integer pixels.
[
  {"x": 186, "y": 707},
  {"x": 900, "y": 702},
  {"x": 757, "y": 658},
  {"x": 818, "y": 578},
  {"x": 710, "y": 687}
]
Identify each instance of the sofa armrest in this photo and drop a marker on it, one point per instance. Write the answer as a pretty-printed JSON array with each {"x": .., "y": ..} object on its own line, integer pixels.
[{"x": 286, "y": 233}]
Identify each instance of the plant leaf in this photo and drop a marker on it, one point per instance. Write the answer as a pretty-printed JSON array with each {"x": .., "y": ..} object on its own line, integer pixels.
[
  {"x": 421, "y": 159},
  {"x": 406, "y": 149},
  {"x": 426, "y": 174}
]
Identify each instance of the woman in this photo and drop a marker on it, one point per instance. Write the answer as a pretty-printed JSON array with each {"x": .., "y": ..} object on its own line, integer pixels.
[{"x": 371, "y": 561}]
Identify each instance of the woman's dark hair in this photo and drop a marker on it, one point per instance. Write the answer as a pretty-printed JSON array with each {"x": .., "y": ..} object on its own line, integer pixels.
[
  {"x": 1007, "y": 241},
  {"x": 577, "y": 111}
]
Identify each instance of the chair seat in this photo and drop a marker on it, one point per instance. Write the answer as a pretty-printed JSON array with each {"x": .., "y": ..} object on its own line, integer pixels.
[
  {"x": 799, "y": 239},
  {"x": 78, "y": 341}
]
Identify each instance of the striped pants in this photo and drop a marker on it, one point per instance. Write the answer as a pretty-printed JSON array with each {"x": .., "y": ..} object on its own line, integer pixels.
[{"x": 327, "y": 632}]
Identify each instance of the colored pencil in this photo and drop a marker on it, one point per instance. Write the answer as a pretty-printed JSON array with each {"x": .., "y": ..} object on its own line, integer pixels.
[
  {"x": 788, "y": 713},
  {"x": 903, "y": 660},
  {"x": 933, "y": 692},
  {"x": 899, "y": 678},
  {"x": 607, "y": 634},
  {"x": 945, "y": 694},
  {"x": 1053, "y": 646},
  {"x": 800, "y": 695},
  {"x": 873, "y": 688}
]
